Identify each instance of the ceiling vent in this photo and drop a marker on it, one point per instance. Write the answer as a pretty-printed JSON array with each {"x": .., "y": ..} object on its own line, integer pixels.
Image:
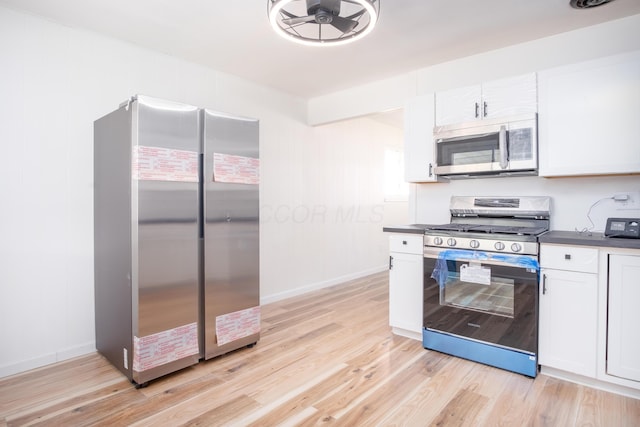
[{"x": 587, "y": 4}]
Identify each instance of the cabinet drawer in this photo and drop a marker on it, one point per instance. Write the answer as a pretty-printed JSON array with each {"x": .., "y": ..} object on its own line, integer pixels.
[
  {"x": 406, "y": 243},
  {"x": 571, "y": 258}
]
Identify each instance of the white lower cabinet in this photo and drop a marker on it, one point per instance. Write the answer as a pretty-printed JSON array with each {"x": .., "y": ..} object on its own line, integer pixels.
[
  {"x": 568, "y": 321},
  {"x": 589, "y": 316},
  {"x": 568, "y": 326},
  {"x": 623, "y": 339},
  {"x": 405, "y": 285}
]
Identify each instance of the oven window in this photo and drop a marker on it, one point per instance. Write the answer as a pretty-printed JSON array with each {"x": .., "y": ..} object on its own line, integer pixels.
[{"x": 474, "y": 286}]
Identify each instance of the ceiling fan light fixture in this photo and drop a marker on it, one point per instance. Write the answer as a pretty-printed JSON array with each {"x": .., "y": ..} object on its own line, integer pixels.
[{"x": 323, "y": 22}]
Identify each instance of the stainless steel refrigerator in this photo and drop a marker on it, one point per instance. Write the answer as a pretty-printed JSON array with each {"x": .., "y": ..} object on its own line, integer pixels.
[{"x": 154, "y": 253}]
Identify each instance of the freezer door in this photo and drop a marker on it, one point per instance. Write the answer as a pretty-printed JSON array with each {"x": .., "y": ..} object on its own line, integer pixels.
[
  {"x": 165, "y": 237},
  {"x": 231, "y": 316}
]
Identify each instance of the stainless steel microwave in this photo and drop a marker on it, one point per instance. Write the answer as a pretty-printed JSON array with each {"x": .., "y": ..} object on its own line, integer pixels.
[{"x": 494, "y": 147}]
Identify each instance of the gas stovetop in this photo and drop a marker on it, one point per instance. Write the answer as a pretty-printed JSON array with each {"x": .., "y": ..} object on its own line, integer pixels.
[
  {"x": 497, "y": 224},
  {"x": 489, "y": 229}
]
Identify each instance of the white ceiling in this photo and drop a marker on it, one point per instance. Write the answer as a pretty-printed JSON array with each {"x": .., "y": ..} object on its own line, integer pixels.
[{"x": 234, "y": 36}]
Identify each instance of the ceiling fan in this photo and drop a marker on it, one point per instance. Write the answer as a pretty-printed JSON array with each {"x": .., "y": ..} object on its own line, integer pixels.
[{"x": 323, "y": 22}]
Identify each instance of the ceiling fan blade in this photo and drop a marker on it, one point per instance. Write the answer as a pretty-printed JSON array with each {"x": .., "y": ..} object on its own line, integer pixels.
[
  {"x": 331, "y": 5},
  {"x": 299, "y": 20},
  {"x": 343, "y": 24}
]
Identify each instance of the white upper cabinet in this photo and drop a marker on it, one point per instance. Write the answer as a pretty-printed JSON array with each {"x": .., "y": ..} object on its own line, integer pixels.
[
  {"x": 499, "y": 98},
  {"x": 589, "y": 117},
  {"x": 418, "y": 139},
  {"x": 458, "y": 105},
  {"x": 510, "y": 97}
]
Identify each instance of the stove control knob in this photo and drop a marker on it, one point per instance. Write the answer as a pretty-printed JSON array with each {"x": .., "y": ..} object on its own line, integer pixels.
[
  {"x": 451, "y": 242},
  {"x": 474, "y": 244},
  {"x": 437, "y": 241},
  {"x": 516, "y": 247},
  {"x": 499, "y": 246}
]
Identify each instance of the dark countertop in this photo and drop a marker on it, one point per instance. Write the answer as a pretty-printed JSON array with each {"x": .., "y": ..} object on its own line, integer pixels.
[
  {"x": 554, "y": 236},
  {"x": 411, "y": 228},
  {"x": 588, "y": 239}
]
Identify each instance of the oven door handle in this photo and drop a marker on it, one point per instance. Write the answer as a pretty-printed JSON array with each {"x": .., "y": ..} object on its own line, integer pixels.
[{"x": 434, "y": 253}]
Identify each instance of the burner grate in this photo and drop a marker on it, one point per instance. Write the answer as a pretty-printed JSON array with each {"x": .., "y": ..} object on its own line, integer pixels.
[{"x": 488, "y": 229}]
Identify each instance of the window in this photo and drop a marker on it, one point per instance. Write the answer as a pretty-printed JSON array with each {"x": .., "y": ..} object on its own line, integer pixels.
[{"x": 395, "y": 188}]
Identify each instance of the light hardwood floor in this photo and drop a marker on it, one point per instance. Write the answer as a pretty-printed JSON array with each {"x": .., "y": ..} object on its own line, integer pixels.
[{"x": 324, "y": 358}]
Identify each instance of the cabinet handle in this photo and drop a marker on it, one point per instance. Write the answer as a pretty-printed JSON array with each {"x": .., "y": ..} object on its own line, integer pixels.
[
  {"x": 477, "y": 110},
  {"x": 544, "y": 284},
  {"x": 484, "y": 109},
  {"x": 430, "y": 170},
  {"x": 567, "y": 256},
  {"x": 390, "y": 262}
]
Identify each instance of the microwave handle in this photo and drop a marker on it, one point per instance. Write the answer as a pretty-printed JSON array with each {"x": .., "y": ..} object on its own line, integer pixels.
[{"x": 502, "y": 146}]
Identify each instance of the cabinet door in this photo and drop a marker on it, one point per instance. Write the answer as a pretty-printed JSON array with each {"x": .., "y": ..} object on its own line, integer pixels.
[
  {"x": 405, "y": 291},
  {"x": 568, "y": 321},
  {"x": 623, "y": 340},
  {"x": 588, "y": 120},
  {"x": 510, "y": 97},
  {"x": 458, "y": 105},
  {"x": 419, "y": 116}
]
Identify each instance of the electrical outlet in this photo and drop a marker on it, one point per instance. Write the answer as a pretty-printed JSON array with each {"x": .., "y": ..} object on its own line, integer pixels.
[{"x": 627, "y": 204}]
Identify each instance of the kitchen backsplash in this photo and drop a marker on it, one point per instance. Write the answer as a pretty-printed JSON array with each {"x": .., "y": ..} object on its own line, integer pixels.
[{"x": 576, "y": 203}]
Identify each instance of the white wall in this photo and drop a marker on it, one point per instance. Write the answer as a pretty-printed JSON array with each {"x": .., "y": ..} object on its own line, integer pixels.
[
  {"x": 328, "y": 209},
  {"x": 572, "y": 199},
  {"x": 55, "y": 81}
]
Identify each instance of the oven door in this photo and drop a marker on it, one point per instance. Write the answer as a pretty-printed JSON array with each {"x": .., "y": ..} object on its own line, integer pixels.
[{"x": 482, "y": 296}]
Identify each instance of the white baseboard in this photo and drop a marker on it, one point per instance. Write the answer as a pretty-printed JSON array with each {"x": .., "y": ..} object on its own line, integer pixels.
[
  {"x": 591, "y": 382},
  {"x": 320, "y": 285},
  {"x": 407, "y": 334},
  {"x": 79, "y": 350},
  {"x": 47, "y": 359}
]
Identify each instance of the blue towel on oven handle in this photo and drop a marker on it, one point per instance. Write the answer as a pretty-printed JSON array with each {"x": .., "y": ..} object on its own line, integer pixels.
[{"x": 441, "y": 271}]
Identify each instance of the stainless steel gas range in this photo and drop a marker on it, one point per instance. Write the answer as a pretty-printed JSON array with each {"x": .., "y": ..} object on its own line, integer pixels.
[{"x": 481, "y": 276}]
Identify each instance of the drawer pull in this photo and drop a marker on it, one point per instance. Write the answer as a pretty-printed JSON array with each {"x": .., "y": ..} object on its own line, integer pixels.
[
  {"x": 404, "y": 242},
  {"x": 567, "y": 256}
]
